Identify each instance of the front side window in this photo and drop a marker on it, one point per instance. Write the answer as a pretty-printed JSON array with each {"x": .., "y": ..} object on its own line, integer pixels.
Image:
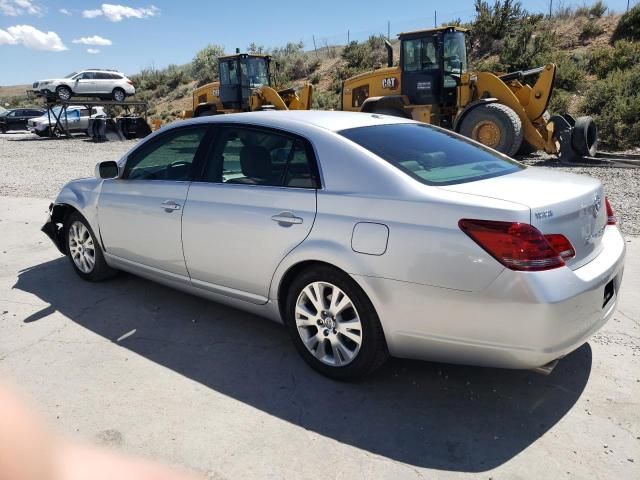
[
  {"x": 166, "y": 158},
  {"x": 88, "y": 76},
  {"x": 432, "y": 156},
  {"x": 420, "y": 54},
  {"x": 256, "y": 157}
]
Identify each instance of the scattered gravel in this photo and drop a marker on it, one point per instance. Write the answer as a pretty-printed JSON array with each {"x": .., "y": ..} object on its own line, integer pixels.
[
  {"x": 31, "y": 166},
  {"x": 38, "y": 167}
]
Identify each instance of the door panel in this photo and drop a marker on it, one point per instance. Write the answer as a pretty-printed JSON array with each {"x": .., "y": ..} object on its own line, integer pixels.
[
  {"x": 138, "y": 223},
  {"x": 140, "y": 214},
  {"x": 231, "y": 240}
]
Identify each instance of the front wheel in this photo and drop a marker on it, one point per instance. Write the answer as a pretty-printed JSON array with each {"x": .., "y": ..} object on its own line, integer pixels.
[
  {"x": 84, "y": 251},
  {"x": 333, "y": 324},
  {"x": 494, "y": 125},
  {"x": 63, "y": 93}
]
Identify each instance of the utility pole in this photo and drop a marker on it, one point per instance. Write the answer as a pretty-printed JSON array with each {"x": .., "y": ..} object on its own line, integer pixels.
[
  {"x": 348, "y": 39},
  {"x": 388, "y": 30},
  {"x": 627, "y": 5},
  {"x": 551, "y": 7},
  {"x": 435, "y": 19},
  {"x": 314, "y": 45}
]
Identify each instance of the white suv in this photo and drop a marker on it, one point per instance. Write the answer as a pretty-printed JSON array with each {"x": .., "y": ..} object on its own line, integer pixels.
[{"x": 93, "y": 82}]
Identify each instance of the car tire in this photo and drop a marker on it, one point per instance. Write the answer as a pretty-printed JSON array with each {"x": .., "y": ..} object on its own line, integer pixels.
[
  {"x": 494, "y": 125},
  {"x": 118, "y": 95},
  {"x": 3, "y": 129},
  {"x": 64, "y": 93},
  {"x": 84, "y": 251},
  {"x": 343, "y": 341}
]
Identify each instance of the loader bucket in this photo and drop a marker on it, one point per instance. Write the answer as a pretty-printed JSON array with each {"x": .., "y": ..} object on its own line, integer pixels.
[{"x": 577, "y": 137}]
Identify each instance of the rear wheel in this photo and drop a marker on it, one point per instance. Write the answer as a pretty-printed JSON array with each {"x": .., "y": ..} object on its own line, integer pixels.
[
  {"x": 334, "y": 325},
  {"x": 84, "y": 250},
  {"x": 118, "y": 95},
  {"x": 584, "y": 139},
  {"x": 494, "y": 125},
  {"x": 63, "y": 93}
]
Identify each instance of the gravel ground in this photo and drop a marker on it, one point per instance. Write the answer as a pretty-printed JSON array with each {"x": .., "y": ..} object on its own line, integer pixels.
[
  {"x": 31, "y": 166},
  {"x": 38, "y": 167}
]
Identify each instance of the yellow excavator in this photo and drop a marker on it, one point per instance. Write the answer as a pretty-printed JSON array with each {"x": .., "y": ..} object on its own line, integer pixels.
[
  {"x": 245, "y": 85},
  {"x": 501, "y": 110}
]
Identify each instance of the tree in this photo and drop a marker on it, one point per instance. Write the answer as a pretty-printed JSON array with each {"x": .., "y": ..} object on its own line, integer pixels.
[{"x": 204, "y": 67}]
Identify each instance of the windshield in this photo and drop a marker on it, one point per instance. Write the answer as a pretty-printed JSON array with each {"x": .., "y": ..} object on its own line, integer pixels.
[
  {"x": 256, "y": 72},
  {"x": 432, "y": 156},
  {"x": 71, "y": 75}
]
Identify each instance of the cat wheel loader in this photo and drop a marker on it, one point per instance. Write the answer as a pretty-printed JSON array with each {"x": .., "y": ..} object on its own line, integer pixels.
[
  {"x": 245, "y": 85},
  {"x": 503, "y": 111}
]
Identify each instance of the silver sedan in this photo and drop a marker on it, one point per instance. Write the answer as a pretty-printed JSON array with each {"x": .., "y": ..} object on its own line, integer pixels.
[{"x": 366, "y": 235}]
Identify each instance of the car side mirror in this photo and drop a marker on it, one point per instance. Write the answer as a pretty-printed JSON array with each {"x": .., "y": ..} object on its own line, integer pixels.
[{"x": 108, "y": 169}]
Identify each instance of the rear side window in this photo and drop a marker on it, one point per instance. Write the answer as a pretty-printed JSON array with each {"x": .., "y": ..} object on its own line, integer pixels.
[
  {"x": 256, "y": 157},
  {"x": 431, "y": 156}
]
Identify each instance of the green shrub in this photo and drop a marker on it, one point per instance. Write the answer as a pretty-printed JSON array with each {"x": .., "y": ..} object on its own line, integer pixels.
[
  {"x": 366, "y": 55},
  {"x": 175, "y": 76},
  {"x": 614, "y": 102},
  {"x": 498, "y": 21},
  {"x": 204, "y": 67},
  {"x": 598, "y": 9},
  {"x": 315, "y": 79},
  {"x": 590, "y": 29},
  {"x": 559, "y": 101},
  {"x": 293, "y": 63},
  {"x": 325, "y": 100},
  {"x": 623, "y": 55},
  {"x": 628, "y": 27},
  {"x": 527, "y": 45}
]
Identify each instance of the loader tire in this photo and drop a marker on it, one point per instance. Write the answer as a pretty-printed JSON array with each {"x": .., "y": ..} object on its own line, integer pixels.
[
  {"x": 494, "y": 125},
  {"x": 584, "y": 139}
]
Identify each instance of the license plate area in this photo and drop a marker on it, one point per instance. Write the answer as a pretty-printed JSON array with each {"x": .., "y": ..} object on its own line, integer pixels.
[{"x": 609, "y": 290}]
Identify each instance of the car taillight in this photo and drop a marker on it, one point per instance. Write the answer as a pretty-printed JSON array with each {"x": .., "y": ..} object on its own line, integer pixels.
[
  {"x": 561, "y": 245},
  {"x": 518, "y": 246},
  {"x": 611, "y": 218},
  {"x": 129, "y": 82}
]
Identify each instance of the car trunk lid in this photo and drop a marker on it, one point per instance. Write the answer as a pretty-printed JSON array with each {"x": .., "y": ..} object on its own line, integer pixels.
[{"x": 560, "y": 203}]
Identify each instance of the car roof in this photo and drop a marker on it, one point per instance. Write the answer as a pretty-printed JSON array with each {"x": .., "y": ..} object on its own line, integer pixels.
[{"x": 329, "y": 120}]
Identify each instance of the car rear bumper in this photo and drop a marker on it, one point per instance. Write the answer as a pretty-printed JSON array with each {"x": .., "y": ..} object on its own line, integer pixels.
[{"x": 522, "y": 320}]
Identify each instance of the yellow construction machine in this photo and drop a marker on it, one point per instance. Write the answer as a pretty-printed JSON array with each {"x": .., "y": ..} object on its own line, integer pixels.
[
  {"x": 245, "y": 85},
  {"x": 501, "y": 110}
]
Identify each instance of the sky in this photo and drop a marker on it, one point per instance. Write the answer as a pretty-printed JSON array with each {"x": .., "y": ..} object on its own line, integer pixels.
[{"x": 49, "y": 38}]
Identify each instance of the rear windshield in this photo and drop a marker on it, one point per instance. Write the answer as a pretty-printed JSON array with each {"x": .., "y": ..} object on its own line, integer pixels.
[{"x": 431, "y": 156}]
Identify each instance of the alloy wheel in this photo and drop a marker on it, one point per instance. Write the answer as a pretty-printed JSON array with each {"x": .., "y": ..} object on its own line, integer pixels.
[
  {"x": 81, "y": 247},
  {"x": 328, "y": 324}
]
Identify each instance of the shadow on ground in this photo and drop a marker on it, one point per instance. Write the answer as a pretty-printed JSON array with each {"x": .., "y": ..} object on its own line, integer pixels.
[{"x": 423, "y": 414}]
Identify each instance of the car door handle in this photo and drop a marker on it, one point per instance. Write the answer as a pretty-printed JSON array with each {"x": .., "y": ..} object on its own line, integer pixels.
[
  {"x": 286, "y": 218},
  {"x": 170, "y": 205}
]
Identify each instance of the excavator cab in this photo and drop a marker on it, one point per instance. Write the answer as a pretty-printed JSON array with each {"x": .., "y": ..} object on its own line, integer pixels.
[
  {"x": 431, "y": 63},
  {"x": 240, "y": 74}
]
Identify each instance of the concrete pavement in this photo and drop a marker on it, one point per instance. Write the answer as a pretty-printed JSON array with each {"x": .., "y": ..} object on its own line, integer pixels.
[{"x": 155, "y": 372}]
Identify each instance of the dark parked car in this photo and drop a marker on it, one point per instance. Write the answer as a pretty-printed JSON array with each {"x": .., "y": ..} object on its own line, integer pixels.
[{"x": 17, "y": 118}]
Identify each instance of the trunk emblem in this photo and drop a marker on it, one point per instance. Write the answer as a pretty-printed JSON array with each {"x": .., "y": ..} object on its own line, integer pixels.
[
  {"x": 597, "y": 201},
  {"x": 543, "y": 214}
]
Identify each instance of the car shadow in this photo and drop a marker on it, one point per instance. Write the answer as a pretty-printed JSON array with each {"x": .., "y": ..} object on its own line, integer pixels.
[{"x": 428, "y": 415}]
